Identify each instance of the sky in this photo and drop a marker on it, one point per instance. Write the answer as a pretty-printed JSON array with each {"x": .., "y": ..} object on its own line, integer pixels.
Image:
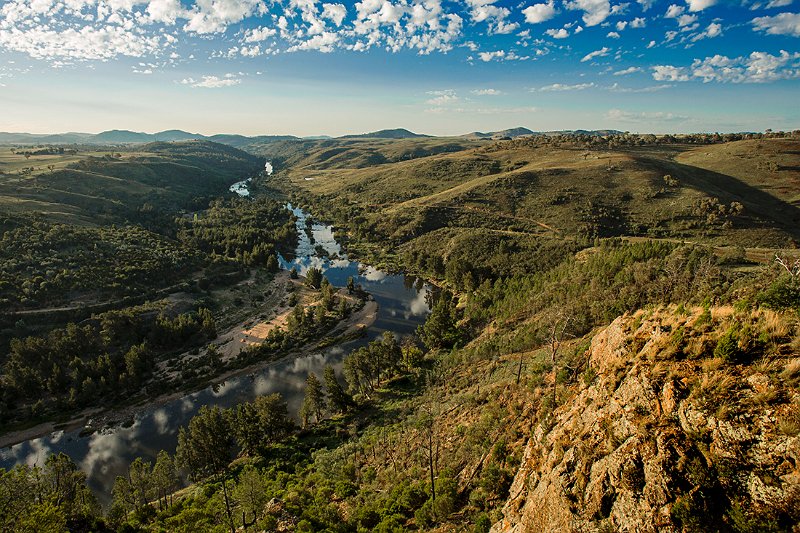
[{"x": 306, "y": 67}]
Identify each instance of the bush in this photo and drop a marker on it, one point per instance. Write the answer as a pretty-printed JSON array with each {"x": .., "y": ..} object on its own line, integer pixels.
[
  {"x": 482, "y": 524},
  {"x": 781, "y": 295},
  {"x": 727, "y": 347}
]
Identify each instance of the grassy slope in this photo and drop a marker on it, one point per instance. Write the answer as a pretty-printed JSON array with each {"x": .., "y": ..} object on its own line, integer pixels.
[
  {"x": 523, "y": 187},
  {"x": 56, "y": 222},
  {"x": 77, "y": 188}
]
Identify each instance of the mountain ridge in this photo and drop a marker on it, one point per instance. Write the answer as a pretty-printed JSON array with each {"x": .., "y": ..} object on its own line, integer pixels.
[{"x": 121, "y": 136}]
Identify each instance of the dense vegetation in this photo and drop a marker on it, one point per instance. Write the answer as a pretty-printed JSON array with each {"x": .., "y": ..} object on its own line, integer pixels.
[
  {"x": 534, "y": 263},
  {"x": 81, "y": 317},
  {"x": 366, "y": 455},
  {"x": 109, "y": 358},
  {"x": 46, "y": 265}
]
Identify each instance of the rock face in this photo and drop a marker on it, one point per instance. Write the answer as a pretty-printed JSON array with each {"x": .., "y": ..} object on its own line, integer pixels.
[{"x": 659, "y": 440}]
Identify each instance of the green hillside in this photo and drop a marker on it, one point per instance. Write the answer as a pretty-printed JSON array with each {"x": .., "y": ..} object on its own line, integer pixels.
[
  {"x": 736, "y": 194},
  {"x": 119, "y": 185}
]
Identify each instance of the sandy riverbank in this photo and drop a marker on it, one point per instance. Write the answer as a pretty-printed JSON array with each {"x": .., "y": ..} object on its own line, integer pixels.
[{"x": 359, "y": 320}]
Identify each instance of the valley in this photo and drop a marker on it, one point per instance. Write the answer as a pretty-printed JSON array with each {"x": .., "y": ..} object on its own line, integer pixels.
[{"x": 575, "y": 331}]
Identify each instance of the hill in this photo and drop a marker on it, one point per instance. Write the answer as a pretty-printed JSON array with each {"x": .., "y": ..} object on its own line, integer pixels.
[
  {"x": 573, "y": 399},
  {"x": 126, "y": 137},
  {"x": 611, "y": 345},
  {"x": 80, "y": 186},
  {"x": 349, "y": 153},
  {"x": 90, "y": 227},
  {"x": 509, "y": 133},
  {"x": 398, "y": 133},
  {"x": 560, "y": 189}
]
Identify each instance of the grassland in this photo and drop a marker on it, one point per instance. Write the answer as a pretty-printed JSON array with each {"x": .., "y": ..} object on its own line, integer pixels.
[{"x": 744, "y": 193}]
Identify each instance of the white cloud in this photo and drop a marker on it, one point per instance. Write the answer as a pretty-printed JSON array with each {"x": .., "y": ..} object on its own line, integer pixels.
[
  {"x": 81, "y": 44},
  {"x": 620, "y": 9},
  {"x": 486, "y": 92},
  {"x": 213, "y": 82},
  {"x": 214, "y": 16},
  {"x": 629, "y": 70},
  {"x": 482, "y": 110},
  {"x": 778, "y": 3},
  {"x": 644, "y": 116},
  {"x": 651, "y": 89},
  {"x": 638, "y": 22},
  {"x": 597, "y": 53},
  {"x": 621, "y": 25},
  {"x": 165, "y": 11},
  {"x": 256, "y": 35},
  {"x": 539, "y": 13},
  {"x": 699, "y": 5},
  {"x": 560, "y": 33},
  {"x": 686, "y": 20},
  {"x": 758, "y": 67},
  {"x": 782, "y": 24},
  {"x": 594, "y": 11},
  {"x": 489, "y": 56},
  {"x": 323, "y": 42},
  {"x": 560, "y": 87},
  {"x": 494, "y": 16},
  {"x": 713, "y": 30},
  {"x": 252, "y": 51},
  {"x": 334, "y": 12},
  {"x": 441, "y": 98},
  {"x": 669, "y": 73},
  {"x": 651, "y": 44},
  {"x": 613, "y": 35},
  {"x": 674, "y": 11}
]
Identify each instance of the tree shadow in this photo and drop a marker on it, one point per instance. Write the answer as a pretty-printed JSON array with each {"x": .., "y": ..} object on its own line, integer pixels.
[{"x": 760, "y": 205}]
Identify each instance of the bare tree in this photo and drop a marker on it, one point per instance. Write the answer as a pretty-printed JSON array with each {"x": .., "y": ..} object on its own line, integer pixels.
[
  {"x": 556, "y": 335},
  {"x": 792, "y": 268},
  {"x": 426, "y": 424}
]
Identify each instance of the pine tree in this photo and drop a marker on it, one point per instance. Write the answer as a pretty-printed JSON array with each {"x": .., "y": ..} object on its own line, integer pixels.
[
  {"x": 314, "y": 402},
  {"x": 338, "y": 399}
]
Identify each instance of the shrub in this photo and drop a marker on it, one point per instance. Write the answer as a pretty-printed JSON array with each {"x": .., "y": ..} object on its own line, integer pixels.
[
  {"x": 727, "y": 347},
  {"x": 482, "y": 524}
]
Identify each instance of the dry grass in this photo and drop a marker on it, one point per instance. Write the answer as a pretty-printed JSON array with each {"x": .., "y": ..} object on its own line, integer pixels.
[
  {"x": 791, "y": 372},
  {"x": 789, "y": 421},
  {"x": 715, "y": 389}
]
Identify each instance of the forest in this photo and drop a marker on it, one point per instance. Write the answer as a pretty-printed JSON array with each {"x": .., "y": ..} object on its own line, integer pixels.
[{"x": 85, "y": 314}]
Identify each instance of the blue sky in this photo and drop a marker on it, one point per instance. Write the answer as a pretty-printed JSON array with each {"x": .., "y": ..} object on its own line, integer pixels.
[{"x": 308, "y": 67}]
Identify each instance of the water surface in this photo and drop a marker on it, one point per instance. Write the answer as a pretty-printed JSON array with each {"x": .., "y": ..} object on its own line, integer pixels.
[{"x": 107, "y": 453}]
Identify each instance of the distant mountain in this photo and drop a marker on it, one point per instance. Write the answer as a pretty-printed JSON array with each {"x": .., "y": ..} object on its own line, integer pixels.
[
  {"x": 513, "y": 133},
  {"x": 121, "y": 136},
  {"x": 509, "y": 133},
  {"x": 243, "y": 141},
  {"x": 33, "y": 138},
  {"x": 398, "y": 133},
  {"x": 176, "y": 135},
  {"x": 135, "y": 137},
  {"x": 239, "y": 141}
]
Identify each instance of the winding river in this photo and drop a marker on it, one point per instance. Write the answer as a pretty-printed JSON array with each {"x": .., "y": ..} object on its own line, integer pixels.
[{"x": 107, "y": 453}]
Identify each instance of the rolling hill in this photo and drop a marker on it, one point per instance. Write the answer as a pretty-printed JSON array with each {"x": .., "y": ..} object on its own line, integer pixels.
[{"x": 736, "y": 194}]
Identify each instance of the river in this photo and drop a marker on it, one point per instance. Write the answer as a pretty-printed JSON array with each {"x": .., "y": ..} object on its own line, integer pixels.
[{"x": 107, "y": 453}]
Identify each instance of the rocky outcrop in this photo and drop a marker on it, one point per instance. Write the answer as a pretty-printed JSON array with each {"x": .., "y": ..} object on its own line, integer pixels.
[{"x": 662, "y": 439}]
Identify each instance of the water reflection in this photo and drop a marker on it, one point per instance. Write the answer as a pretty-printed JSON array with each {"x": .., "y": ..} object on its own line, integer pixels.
[{"x": 107, "y": 453}]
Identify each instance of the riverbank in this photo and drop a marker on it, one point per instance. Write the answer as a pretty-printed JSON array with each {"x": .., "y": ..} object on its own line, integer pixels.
[{"x": 95, "y": 419}]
